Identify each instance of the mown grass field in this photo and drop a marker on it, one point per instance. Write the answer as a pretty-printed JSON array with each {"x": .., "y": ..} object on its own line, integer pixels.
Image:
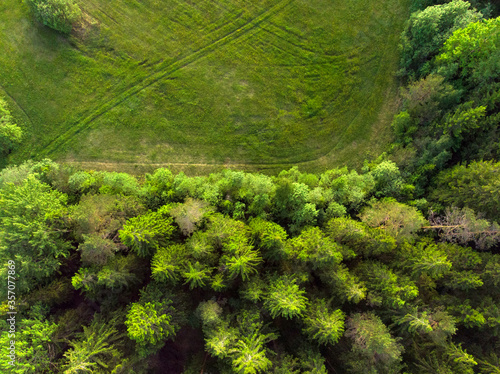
[{"x": 263, "y": 84}]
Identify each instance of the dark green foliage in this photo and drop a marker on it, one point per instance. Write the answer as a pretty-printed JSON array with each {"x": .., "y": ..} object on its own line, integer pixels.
[
  {"x": 57, "y": 14},
  {"x": 30, "y": 231}
]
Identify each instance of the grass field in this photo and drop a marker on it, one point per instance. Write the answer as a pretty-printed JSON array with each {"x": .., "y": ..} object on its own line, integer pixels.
[{"x": 262, "y": 85}]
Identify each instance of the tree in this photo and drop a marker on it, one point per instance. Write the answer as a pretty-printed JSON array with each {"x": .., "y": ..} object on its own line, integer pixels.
[
  {"x": 285, "y": 298},
  {"x": 463, "y": 226},
  {"x": 94, "y": 350},
  {"x": 30, "y": 233},
  {"x": 398, "y": 220},
  {"x": 386, "y": 287},
  {"x": 374, "y": 350},
  {"x": 475, "y": 186},
  {"x": 472, "y": 53},
  {"x": 10, "y": 133},
  {"x": 150, "y": 324},
  {"x": 323, "y": 325},
  {"x": 189, "y": 215},
  {"x": 145, "y": 233},
  {"x": 59, "y": 15},
  {"x": 426, "y": 31},
  {"x": 243, "y": 263},
  {"x": 32, "y": 340},
  {"x": 167, "y": 263}
]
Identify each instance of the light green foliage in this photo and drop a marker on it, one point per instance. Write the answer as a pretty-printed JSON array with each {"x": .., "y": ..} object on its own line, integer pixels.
[
  {"x": 167, "y": 263},
  {"x": 269, "y": 237},
  {"x": 16, "y": 174},
  {"x": 373, "y": 346},
  {"x": 460, "y": 356},
  {"x": 437, "y": 324},
  {"x": 348, "y": 188},
  {"x": 386, "y": 287},
  {"x": 398, "y": 220},
  {"x": 315, "y": 249},
  {"x": 472, "y": 52},
  {"x": 157, "y": 189},
  {"x": 226, "y": 232},
  {"x": 57, "y": 14},
  {"x": 104, "y": 182},
  {"x": 463, "y": 120},
  {"x": 94, "y": 351},
  {"x": 242, "y": 263},
  {"x": 32, "y": 339},
  {"x": 359, "y": 238},
  {"x": 116, "y": 276},
  {"x": 426, "y": 32},
  {"x": 343, "y": 283},
  {"x": 102, "y": 215},
  {"x": 323, "y": 325},
  {"x": 423, "y": 258},
  {"x": 243, "y": 347},
  {"x": 388, "y": 180},
  {"x": 476, "y": 186},
  {"x": 145, "y": 233},
  {"x": 150, "y": 325},
  {"x": 10, "y": 133},
  {"x": 29, "y": 233},
  {"x": 249, "y": 355},
  {"x": 285, "y": 298},
  {"x": 196, "y": 275}
]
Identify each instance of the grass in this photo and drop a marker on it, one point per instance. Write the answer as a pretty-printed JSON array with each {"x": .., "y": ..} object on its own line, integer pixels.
[{"x": 260, "y": 85}]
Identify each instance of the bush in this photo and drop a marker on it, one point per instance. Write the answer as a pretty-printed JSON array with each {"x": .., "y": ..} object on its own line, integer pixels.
[
  {"x": 10, "y": 133},
  {"x": 59, "y": 15}
]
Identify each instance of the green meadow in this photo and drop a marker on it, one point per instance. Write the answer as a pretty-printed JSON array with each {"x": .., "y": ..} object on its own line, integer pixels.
[{"x": 261, "y": 84}]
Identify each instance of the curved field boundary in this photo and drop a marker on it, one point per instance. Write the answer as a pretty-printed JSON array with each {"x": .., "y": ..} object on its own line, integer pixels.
[{"x": 164, "y": 71}]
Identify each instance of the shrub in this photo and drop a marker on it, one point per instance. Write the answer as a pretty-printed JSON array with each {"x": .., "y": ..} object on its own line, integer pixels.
[{"x": 59, "y": 15}]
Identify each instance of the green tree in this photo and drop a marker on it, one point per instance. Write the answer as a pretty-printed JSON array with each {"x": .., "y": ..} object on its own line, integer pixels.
[
  {"x": 472, "y": 53},
  {"x": 150, "y": 324},
  {"x": 285, "y": 298},
  {"x": 398, "y": 220},
  {"x": 94, "y": 350},
  {"x": 145, "y": 233},
  {"x": 475, "y": 186},
  {"x": 32, "y": 339},
  {"x": 323, "y": 325},
  {"x": 60, "y": 15},
  {"x": 374, "y": 350},
  {"x": 31, "y": 232},
  {"x": 426, "y": 31}
]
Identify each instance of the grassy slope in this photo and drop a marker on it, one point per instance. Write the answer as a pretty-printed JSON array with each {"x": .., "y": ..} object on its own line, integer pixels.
[{"x": 261, "y": 85}]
